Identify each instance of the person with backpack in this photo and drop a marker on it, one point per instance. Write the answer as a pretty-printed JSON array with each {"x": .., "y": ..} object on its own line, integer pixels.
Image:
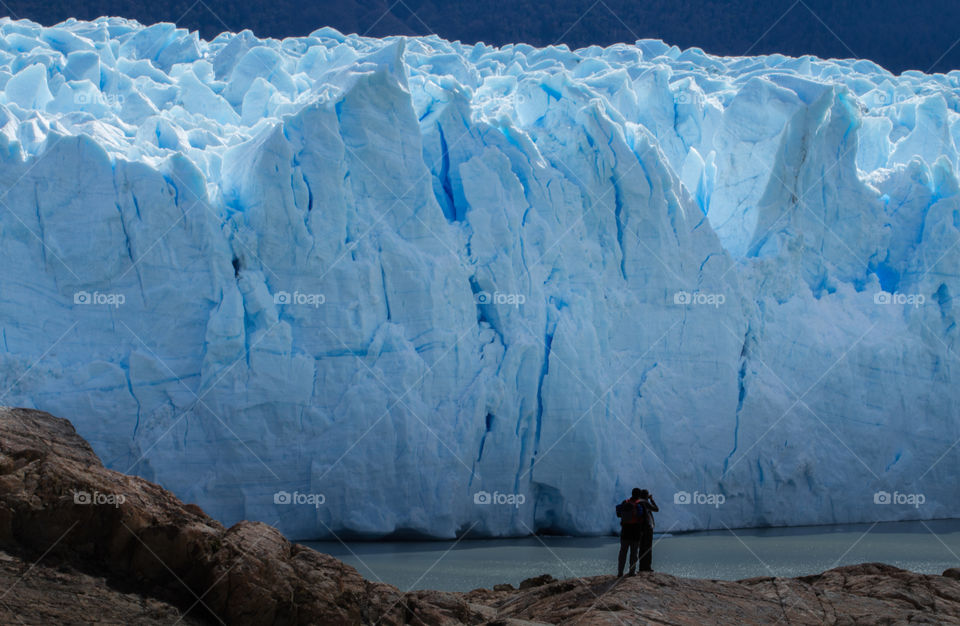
[
  {"x": 632, "y": 516},
  {"x": 646, "y": 533}
]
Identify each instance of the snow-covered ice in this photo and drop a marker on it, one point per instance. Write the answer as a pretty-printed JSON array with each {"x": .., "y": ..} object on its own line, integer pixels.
[{"x": 403, "y": 272}]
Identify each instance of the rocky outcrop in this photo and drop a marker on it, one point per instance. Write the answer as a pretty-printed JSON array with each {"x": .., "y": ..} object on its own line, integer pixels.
[
  {"x": 37, "y": 593},
  {"x": 871, "y": 593},
  {"x": 82, "y": 543}
]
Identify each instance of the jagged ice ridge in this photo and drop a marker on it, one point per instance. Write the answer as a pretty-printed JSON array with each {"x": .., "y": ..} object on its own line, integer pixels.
[{"x": 400, "y": 272}]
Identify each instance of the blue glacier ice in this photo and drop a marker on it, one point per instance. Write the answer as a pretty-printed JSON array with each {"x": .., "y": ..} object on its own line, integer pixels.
[{"x": 398, "y": 273}]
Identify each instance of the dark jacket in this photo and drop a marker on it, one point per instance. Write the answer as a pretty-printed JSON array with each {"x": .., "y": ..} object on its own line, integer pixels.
[{"x": 649, "y": 506}]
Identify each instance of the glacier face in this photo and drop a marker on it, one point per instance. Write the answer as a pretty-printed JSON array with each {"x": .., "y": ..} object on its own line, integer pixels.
[{"x": 400, "y": 273}]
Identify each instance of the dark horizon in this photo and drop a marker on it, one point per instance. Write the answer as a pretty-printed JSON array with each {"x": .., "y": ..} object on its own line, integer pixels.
[{"x": 892, "y": 34}]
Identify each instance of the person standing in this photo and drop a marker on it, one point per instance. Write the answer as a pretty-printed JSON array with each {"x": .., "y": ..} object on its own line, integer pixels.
[
  {"x": 646, "y": 532},
  {"x": 632, "y": 521}
]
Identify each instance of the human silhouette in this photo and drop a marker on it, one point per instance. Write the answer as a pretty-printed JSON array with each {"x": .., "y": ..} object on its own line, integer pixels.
[
  {"x": 632, "y": 521},
  {"x": 646, "y": 531}
]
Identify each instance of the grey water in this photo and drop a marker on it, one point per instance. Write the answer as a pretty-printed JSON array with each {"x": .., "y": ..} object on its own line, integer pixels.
[{"x": 927, "y": 547}]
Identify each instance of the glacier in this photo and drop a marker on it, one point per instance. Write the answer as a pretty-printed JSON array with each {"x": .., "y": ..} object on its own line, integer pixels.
[{"x": 371, "y": 287}]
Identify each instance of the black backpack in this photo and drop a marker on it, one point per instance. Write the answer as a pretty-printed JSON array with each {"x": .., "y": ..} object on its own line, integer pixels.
[{"x": 630, "y": 512}]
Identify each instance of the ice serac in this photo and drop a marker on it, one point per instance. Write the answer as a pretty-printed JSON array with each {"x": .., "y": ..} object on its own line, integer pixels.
[{"x": 406, "y": 286}]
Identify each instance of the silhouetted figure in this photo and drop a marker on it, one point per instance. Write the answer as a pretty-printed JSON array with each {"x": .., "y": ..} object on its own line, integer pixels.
[
  {"x": 646, "y": 532},
  {"x": 632, "y": 521}
]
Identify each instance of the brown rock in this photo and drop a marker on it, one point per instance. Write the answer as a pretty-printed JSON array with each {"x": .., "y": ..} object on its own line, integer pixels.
[
  {"x": 537, "y": 581},
  {"x": 39, "y": 594},
  {"x": 863, "y": 594}
]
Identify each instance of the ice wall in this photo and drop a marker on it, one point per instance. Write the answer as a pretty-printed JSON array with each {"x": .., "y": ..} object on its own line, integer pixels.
[{"x": 400, "y": 273}]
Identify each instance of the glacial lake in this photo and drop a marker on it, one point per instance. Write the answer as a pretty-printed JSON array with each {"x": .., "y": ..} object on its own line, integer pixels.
[{"x": 928, "y": 547}]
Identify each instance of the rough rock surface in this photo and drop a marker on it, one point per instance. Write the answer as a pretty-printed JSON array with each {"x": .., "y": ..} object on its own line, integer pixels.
[
  {"x": 871, "y": 593},
  {"x": 152, "y": 559},
  {"x": 36, "y": 593}
]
